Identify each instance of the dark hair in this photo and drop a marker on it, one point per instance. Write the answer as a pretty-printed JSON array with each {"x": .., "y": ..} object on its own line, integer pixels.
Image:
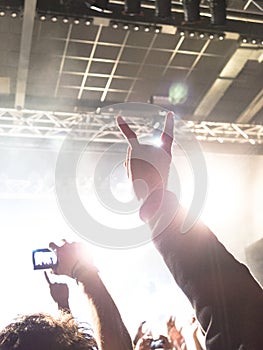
[{"x": 44, "y": 332}]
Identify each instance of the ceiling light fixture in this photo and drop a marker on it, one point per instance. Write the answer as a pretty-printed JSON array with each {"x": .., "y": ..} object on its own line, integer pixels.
[
  {"x": 157, "y": 30},
  {"x": 54, "y": 19},
  {"x": 42, "y": 18},
  {"x": 115, "y": 25},
  {"x": 88, "y": 22},
  {"x": 146, "y": 29}
]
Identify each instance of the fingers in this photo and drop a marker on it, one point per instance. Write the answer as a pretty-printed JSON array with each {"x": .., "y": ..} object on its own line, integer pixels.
[
  {"x": 127, "y": 132},
  {"x": 127, "y": 162},
  {"x": 168, "y": 132},
  {"x": 53, "y": 246},
  {"x": 47, "y": 278}
]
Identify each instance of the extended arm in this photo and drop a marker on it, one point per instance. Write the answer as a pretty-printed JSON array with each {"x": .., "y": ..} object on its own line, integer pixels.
[
  {"x": 227, "y": 300},
  {"x": 73, "y": 261}
]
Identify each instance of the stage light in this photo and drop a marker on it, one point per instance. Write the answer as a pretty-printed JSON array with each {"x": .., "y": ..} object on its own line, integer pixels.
[
  {"x": 125, "y": 26},
  {"x": 244, "y": 40},
  {"x": 54, "y": 19},
  {"x": 201, "y": 35},
  {"x": 2, "y": 13},
  {"x": 114, "y": 25},
  {"x": 132, "y": 7},
  {"x": 13, "y": 14},
  {"x": 157, "y": 30},
  {"x": 65, "y": 20},
  {"x": 76, "y": 21},
  {"x": 191, "y": 34},
  {"x": 88, "y": 22},
  {"x": 221, "y": 37},
  {"x": 253, "y": 41},
  {"x": 163, "y": 8},
  {"x": 211, "y": 36},
  {"x": 136, "y": 28},
  {"x": 42, "y": 18},
  {"x": 146, "y": 29},
  {"x": 182, "y": 33}
]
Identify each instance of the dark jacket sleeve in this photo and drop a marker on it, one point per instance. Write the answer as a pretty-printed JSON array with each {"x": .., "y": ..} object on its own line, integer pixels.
[{"x": 227, "y": 300}]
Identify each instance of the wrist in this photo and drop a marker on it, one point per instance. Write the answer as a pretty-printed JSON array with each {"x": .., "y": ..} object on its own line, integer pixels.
[{"x": 80, "y": 270}]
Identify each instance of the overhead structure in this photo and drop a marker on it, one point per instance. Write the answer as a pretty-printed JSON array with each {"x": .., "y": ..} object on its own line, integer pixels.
[{"x": 101, "y": 128}]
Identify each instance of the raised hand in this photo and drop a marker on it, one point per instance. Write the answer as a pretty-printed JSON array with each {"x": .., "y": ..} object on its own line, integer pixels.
[
  {"x": 70, "y": 257},
  {"x": 147, "y": 165}
]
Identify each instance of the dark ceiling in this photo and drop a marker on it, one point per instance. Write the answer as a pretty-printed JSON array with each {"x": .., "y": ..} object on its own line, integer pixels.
[{"x": 75, "y": 67}]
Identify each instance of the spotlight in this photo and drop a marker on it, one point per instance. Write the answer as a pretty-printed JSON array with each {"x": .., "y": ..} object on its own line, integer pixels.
[
  {"x": 42, "y": 18},
  {"x": 132, "y": 7},
  {"x": 157, "y": 30},
  {"x": 136, "y": 28},
  {"x": 13, "y": 14},
  {"x": 125, "y": 26},
  {"x": 211, "y": 36},
  {"x": 76, "y": 21},
  {"x": 244, "y": 40},
  {"x": 115, "y": 25},
  {"x": 182, "y": 33},
  {"x": 201, "y": 35},
  {"x": 191, "y": 34},
  {"x": 253, "y": 41},
  {"x": 2, "y": 13},
  {"x": 54, "y": 19},
  {"x": 221, "y": 37},
  {"x": 65, "y": 20},
  {"x": 88, "y": 22},
  {"x": 146, "y": 29}
]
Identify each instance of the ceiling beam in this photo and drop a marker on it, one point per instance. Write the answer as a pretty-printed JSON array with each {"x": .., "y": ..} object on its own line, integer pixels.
[
  {"x": 231, "y": 70},
  {"x": 25, "y": 49},
  {"x": 252, "y": 109}
]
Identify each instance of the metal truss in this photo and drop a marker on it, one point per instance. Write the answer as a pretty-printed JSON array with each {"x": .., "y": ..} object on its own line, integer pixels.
[{"x": 101, "y": 128}]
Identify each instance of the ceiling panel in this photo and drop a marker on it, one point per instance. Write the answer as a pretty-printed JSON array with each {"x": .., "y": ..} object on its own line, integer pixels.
[{"x": 90, "y": 65}]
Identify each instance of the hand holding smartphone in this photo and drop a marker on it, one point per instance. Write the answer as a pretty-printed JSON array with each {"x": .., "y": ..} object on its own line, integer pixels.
[{"x": 44, "y": 258}]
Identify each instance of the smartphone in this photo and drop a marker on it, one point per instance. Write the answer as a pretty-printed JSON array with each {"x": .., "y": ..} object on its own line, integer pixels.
[
  {"x": 157, "y": 344},
  {"x": 44, "y": 259}
]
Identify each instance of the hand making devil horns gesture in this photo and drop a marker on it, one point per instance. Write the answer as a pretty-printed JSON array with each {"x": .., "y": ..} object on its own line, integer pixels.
[{"x": 147, "y": 165}]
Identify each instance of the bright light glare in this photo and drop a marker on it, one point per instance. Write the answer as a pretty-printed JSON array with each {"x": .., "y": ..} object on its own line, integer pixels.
[
  {"x": 178, "y": 93},
  {"x": 157, "y": 142}
]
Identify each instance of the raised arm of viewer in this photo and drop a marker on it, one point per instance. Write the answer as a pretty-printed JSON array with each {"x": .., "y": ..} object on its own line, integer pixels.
[
  {"x": 74, "y": 261},
  {"x": 227, "y": 300}
]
